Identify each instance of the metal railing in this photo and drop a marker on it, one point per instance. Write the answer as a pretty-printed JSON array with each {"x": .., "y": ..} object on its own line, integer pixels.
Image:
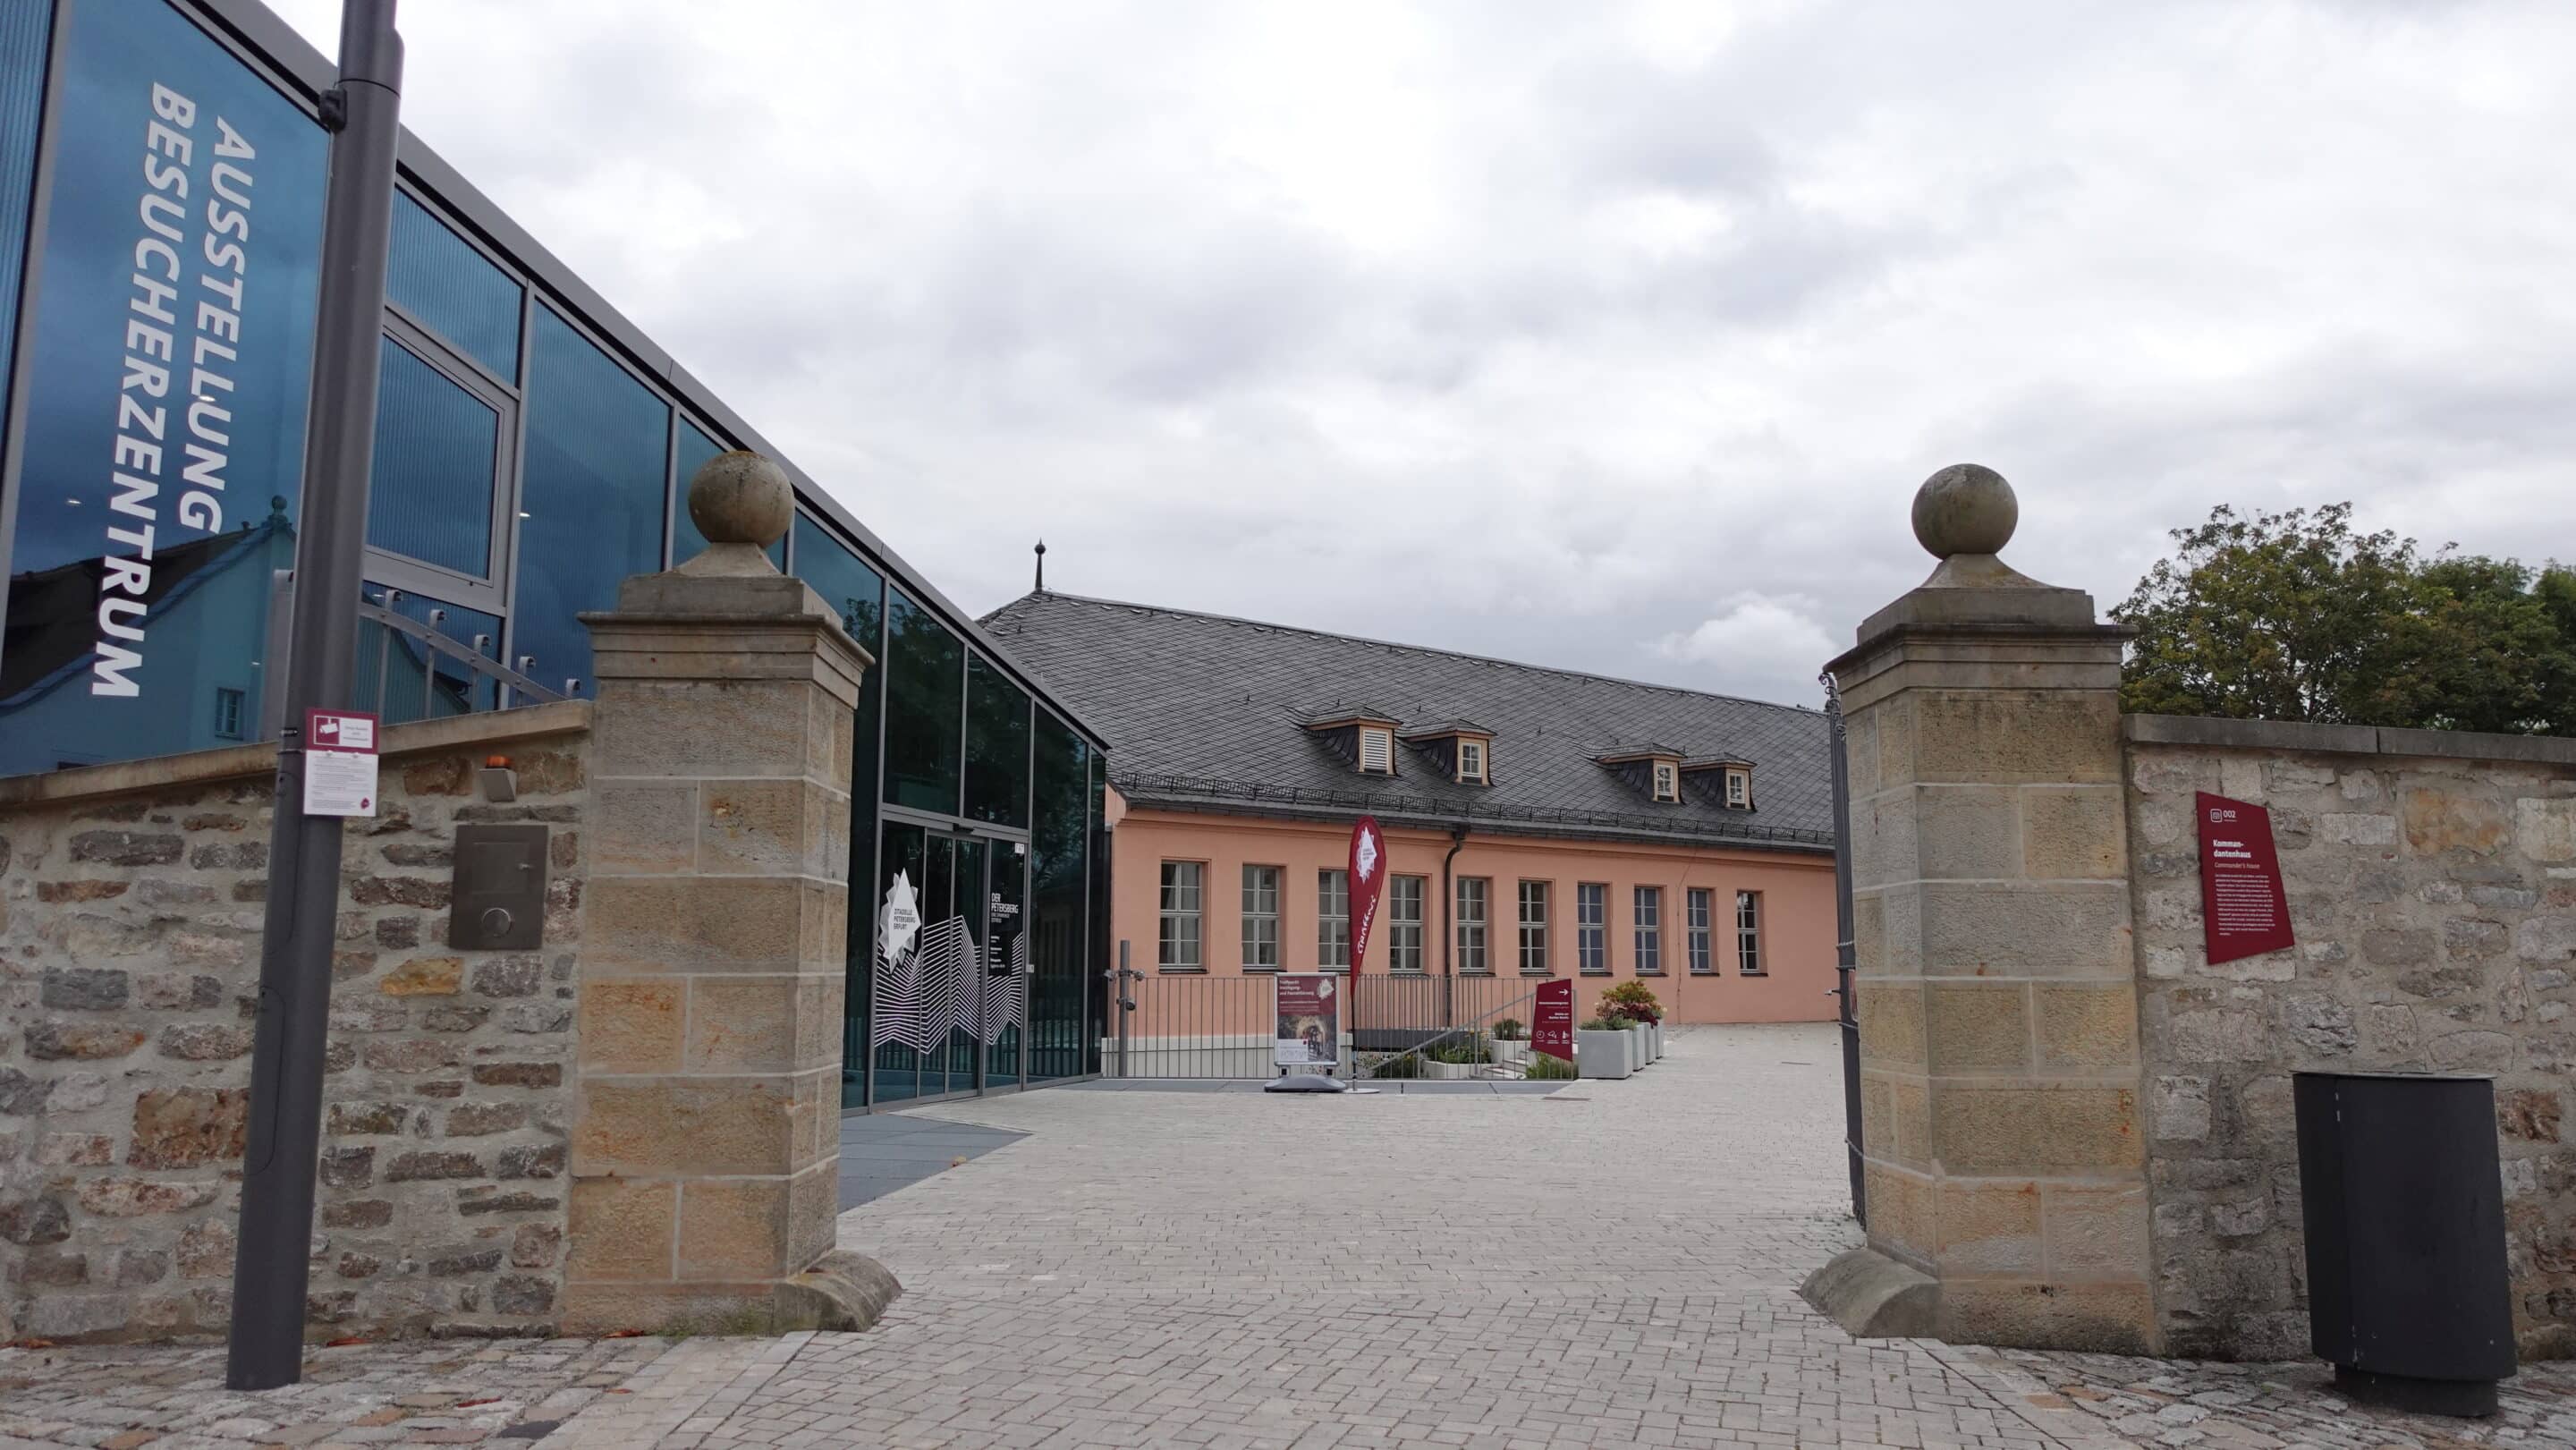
[
  {"x": 417, "y": 673},
  {"x": 1223, "y": 1024},
  {"x": 1144, "y": 789}
]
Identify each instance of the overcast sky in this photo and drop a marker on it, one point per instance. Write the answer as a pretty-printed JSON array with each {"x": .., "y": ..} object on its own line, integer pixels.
[{"x": 1613, "y": 337}]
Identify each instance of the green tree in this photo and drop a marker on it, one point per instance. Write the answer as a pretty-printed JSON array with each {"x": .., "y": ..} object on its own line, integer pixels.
[
  {"x": 2289, "y": 616},
  {"x": 2293, "y": 616}
]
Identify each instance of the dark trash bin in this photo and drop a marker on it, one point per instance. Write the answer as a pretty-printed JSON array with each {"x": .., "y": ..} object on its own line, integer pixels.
[{"x": 2399, "y": 1181}]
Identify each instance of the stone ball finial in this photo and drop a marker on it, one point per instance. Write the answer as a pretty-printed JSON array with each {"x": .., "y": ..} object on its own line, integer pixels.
[
  {"x": 741, "y": 498},
  {"x": 1966, "y": 508}
]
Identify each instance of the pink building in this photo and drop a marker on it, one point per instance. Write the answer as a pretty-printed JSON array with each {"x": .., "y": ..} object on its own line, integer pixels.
[{"x": 1539, "y": 823}]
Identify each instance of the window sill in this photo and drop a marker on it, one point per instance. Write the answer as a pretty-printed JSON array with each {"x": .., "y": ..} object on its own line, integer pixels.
[
  {"x": 1538, "y": 974},
  {"x": 1753, "y": 974},
  {"x": 1259, "y": 971},
  {"x": 1181, "y": 971},
  {"x": 1587, "y": 972},
  {"x": 1706, "y": 972}
]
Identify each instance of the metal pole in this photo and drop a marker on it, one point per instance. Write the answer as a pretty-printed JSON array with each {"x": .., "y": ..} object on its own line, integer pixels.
[
  {"x": 1845, "y": 956},
  {"x": 270, "y": 1265}
]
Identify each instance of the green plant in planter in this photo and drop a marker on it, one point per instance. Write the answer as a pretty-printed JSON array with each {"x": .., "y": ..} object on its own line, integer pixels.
[
  {"x": 1603, "y": 1024},
  {"x": 1462, "y": 1051},
  {"x": 1509, "y": 1029},
  {"x": 1403, "y": 1064},
  {"x": 1543, "y": 1068},
  {"x": 1631, "y": 1002}
]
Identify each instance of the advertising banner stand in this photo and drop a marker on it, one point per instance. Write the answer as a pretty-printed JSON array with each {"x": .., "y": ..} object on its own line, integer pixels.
[{"x": 1307, "y": 1043}]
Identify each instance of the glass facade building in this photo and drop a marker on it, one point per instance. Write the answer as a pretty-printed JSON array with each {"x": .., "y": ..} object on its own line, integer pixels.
[{"x": 161, "y": 184}]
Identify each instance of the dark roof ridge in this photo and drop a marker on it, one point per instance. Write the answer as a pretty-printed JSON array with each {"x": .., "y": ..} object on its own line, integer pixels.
[{"x": 1391, "y": 644}]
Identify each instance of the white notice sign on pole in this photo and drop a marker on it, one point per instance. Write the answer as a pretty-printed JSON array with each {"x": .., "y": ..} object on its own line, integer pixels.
[{"x": 339, "y": 763}]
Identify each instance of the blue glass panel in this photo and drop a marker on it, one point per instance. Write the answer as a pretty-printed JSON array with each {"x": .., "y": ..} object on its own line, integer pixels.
[
  {"x": 436, "y": 448},
  {"x": 592, "y": 495},
  {"x": 26, "y": 34},
  {"x": 925, "y": 670},
  {"x": 453, "y": 290},
  {"x": 167, "y": 379},
  {"x": 997, "y": 745},
  {"x": 857, "y": 592},
  {"x": 1058, "y": 832},
  {"x": 686, "y": 542}
]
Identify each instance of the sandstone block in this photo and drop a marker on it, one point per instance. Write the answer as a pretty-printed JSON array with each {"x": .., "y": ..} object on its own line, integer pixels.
[
  {"x": 1904, "y": 1219},
  {"x": 1988, "y": 1129},
  {"x": 632, "y": 1026},
  {"x": 1989, "y": 1227},
  {"x": 424, "y": 977},
  {"x": 701, "y": 728},
  {"x": 640, "y": 926},
  {"x": 644, "y": 827},
  {"x": 2097, "y": 1232},
  {"x": 734, "y": 1229},
  {"x": 2054, "y": 929},
  {"x": 2085, "y": 1027},
  {"x": 1977, "y": 1027},
  {"x": 745, "y": 1024},
  {"x": 2073, "y": 831},
  {"x": 1912, "y": 1102},
  {"x": 1891, "y": 1022},
  {"x": 1962, "y": 832},
  {"x": 687, "y": 1127},
  {"x": 2103, "y": 1318},
  {"x": 621, "y": 1228},
  {"x": 2439, "y": 820},
  {"x": 189, "y": 1127},
  {"x": 2002, "y": 736},
  {"x": 2544, "y": 829},
  {"x": 2181, "y": 1108}
]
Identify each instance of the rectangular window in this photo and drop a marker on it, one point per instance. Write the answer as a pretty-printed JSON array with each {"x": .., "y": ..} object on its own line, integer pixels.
[
  {"x": 594, "y": 492},
  {"x": 1471, "y": 760},
  {"x": 1592, "y": 929},
  {"x": 1333, "y": 919},
  {"x": 228, "y": 712},
  {"x": 1534, "y": 928},
  {"x": 1667, "y": 781},
  {"x": 1377, "y": 751},
  {"x": 1650, "y": 931},
  {"x": 925, "y": 675},
  {"x": 1261, "y": 918},
  {"x": 997, "y": 745},
  {"x": 1748, "y": 933},
  {"x": 1404, "y": 922},
  {"x": 1739, "y": 788},
  {"x": 1179, "y": 948},
  {"x": 1702, "y": 905},
  {"x": 1472, "y": 892}
]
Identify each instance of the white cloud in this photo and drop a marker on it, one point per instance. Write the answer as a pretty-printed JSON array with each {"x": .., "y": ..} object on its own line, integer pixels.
[{"x": 1540, "y": 330}]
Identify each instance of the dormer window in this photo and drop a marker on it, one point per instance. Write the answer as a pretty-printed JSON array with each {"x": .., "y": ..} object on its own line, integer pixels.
[
  {"x": 1377, "y": 750},
  {"x": 1668, "y": 780},
  {"x": 1739, "y": 788},
  {"x": 1725, "y": 780},
  {"x": 1471, "y": 762}
]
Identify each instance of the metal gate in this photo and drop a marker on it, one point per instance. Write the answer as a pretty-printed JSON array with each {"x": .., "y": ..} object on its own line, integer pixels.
[
  {"x": 1209, "y": 1026},
  {"x": 1844, "y": 955}
]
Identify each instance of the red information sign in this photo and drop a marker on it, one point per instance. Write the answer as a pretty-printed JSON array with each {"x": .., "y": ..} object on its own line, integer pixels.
[
  {"x": 339, "y": 763},
  {"x": 2244, "y": 911},
  {"x": 1552, "y": 1024},
  {"x": 1367, "y": 878}
]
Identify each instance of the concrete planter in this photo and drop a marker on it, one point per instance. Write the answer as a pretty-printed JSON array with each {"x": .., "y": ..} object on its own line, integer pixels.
[
  {"x": 1510, "y": 1054},
  {"x": 1657, "y": 1031},
  {"x": 1645, "y": 1043},
  {"x": 1447, "y": 1071},
  {"x": 1605, "y": 1054}
]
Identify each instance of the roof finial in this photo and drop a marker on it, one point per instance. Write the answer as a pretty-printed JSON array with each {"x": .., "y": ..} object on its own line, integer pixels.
[{"x": 1041, "y": 566}]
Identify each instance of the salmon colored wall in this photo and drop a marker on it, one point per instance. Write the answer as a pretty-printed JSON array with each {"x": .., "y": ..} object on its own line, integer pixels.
[{"x": 1797, "y": 904}]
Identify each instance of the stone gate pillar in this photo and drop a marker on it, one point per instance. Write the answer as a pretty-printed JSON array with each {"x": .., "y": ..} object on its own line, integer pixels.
[
  {"x": 1998, "y": 1012},
  {"x": 706, "y": 1139}
]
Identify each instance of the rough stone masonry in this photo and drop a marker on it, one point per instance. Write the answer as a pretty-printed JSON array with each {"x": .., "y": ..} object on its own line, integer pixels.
[
  {"x": 2432, "y": 885},
  {"x": 130, "y": 915}
]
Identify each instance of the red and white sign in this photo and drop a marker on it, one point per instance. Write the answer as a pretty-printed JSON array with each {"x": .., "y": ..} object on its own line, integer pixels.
[
  {"x": 1552, "y": 1022},
  {"x": 339, "y": 763},
  {"x": 1368, "y": 880},
  {"x": 2244, "y": 911}
]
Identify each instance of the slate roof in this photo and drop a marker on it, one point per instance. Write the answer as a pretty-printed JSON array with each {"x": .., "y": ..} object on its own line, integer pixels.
[{"x": 1207, "y": 712}]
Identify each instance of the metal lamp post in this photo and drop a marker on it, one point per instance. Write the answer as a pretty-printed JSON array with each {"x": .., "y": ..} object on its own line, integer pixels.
[{"x": 271, "y": 1261}]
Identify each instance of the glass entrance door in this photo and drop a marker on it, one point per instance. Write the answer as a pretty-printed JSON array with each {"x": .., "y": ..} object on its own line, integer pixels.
[
  {"x": 946, "y": 995},
  {"x": 1006, "y": 966}
]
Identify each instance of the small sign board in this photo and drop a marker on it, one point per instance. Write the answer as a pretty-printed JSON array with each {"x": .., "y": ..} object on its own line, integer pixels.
[
  {"x": 1310, "y": 1021},
  {"x": 1552, "y": 1021},
  {"x": 2243, "y": 909},
  {"x": 339, "y": 763}
]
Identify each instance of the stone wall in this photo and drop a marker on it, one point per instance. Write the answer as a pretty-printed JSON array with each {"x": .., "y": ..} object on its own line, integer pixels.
[
  {"x": 130, "y": 916},
  {"x": 2432, "y": 888}
]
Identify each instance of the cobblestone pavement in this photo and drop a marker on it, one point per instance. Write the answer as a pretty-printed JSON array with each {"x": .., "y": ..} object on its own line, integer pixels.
[
  {"x": 172, "y": 1397},
  {"x": 2267, "y": 1406}
]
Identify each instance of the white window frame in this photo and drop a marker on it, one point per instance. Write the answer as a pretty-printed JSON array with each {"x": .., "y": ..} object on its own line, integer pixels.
[
  {"x": 1184, "y": 920},
  {"x": 1646, "y": 912},
  {"x": 1702, "y": 908},
  {"x": 1739, "y": 788},
  {"x": 1404, "y": 931},
  {"x": 1260, "y": 918},
  {"x": 1592, "y": 928},
  {"x": 1534, "y": 906},
  {"x": 1333, "y": 918},
  {"x": 1477, "y": 773},
  {"x": 1668, "y": 781},
  {"x": 1748, "y": 934},
  {"x": 1377, "y": 744},
  {"x": 1473, "y": 926}
]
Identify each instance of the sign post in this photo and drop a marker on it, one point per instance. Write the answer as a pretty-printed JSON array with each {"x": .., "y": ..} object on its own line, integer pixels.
[
  {"x": 272, "y": 1257},
  {"x": 2243, "y": 910},
  {"x": 1552, "y": 1021}
]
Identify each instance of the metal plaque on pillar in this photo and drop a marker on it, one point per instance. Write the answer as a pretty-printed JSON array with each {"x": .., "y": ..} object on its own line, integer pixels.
[{"x": 498, "y": 900}]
